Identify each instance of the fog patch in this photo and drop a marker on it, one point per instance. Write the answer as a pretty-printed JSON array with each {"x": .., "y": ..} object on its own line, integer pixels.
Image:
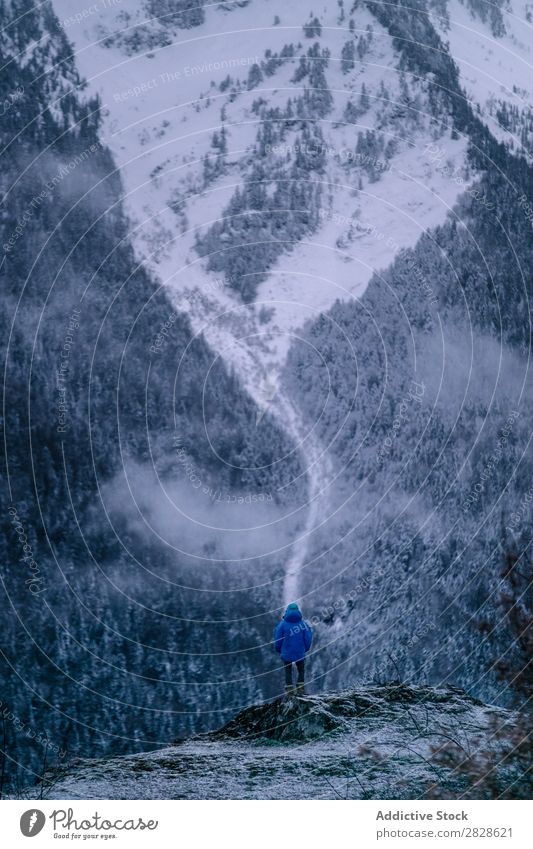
[
  {"x": 180, "y": 515},
  {"x": 464, "y": 368}
]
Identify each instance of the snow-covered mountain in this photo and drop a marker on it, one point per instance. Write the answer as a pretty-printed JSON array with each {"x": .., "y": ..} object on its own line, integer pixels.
[
  {"x": 215, "y": 117},
  {"x": 222, "y": 90},
  {"x": 299, "y": 238},
  {"x": 274, "y": 159}
]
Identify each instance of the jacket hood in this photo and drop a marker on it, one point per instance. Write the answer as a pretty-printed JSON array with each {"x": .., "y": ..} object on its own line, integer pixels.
[{"x": 293, "y": 613}]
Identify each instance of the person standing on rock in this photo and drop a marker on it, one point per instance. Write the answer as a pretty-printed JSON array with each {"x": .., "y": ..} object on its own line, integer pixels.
[{"x": 292, "y": 639}]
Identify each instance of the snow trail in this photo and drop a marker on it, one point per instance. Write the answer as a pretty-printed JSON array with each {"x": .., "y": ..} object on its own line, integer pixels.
[
  {"x": 259, "y": 368},
  {"x": 318, "y": 470}
]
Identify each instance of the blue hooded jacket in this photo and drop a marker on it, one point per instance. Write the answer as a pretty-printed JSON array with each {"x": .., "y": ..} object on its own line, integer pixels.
[{"x": 292, "y": 636}]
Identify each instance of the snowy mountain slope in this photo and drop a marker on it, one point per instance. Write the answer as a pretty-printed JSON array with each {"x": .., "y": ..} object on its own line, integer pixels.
[
  {"x": 163, "y": 106},
  {"x": 495, "y": 61},
  {"x": 376, "y": 742},
  {"x": 209, "y": 116},
  {"x": 414, "y": 561},
  {"x": 91, "y": 395},
  {"x": 305, "y": 166}
]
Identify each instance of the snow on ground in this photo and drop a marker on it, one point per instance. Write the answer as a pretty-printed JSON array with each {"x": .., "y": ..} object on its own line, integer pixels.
[
  {"x": 361, "y": 234},
  {"x": 493, "y": 68},
  {"x": 161, "y": 110},
  {"x": 374, "y": 742}
]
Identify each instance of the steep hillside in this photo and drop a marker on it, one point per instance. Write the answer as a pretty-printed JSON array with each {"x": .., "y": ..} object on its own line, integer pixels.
[
  {"x": 240, "y": 117},
  {"x": 271, "y": 162},
  {"x": 492, "y": 45},
  {"x": 276, "y": 160},
  {"x": 113, "y": 411},
  {"x": 267, "y": 272},
  {"x": 424, "y": 391}
]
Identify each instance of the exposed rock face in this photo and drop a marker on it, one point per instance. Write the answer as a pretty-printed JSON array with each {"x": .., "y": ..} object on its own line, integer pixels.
[
  {"x": 300, "y": 720},
  {"x": 375, "y": 742}
]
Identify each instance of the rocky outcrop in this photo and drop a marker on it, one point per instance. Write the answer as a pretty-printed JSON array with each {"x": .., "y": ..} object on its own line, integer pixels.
[{"x": 390, "y": 741}]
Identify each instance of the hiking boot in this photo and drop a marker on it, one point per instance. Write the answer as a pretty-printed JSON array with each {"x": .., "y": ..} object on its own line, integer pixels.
[{"x": 300, "y": 688}]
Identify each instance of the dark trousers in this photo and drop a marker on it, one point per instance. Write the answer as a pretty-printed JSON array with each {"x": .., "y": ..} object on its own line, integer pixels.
[{"x": 300, "y": 666}]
